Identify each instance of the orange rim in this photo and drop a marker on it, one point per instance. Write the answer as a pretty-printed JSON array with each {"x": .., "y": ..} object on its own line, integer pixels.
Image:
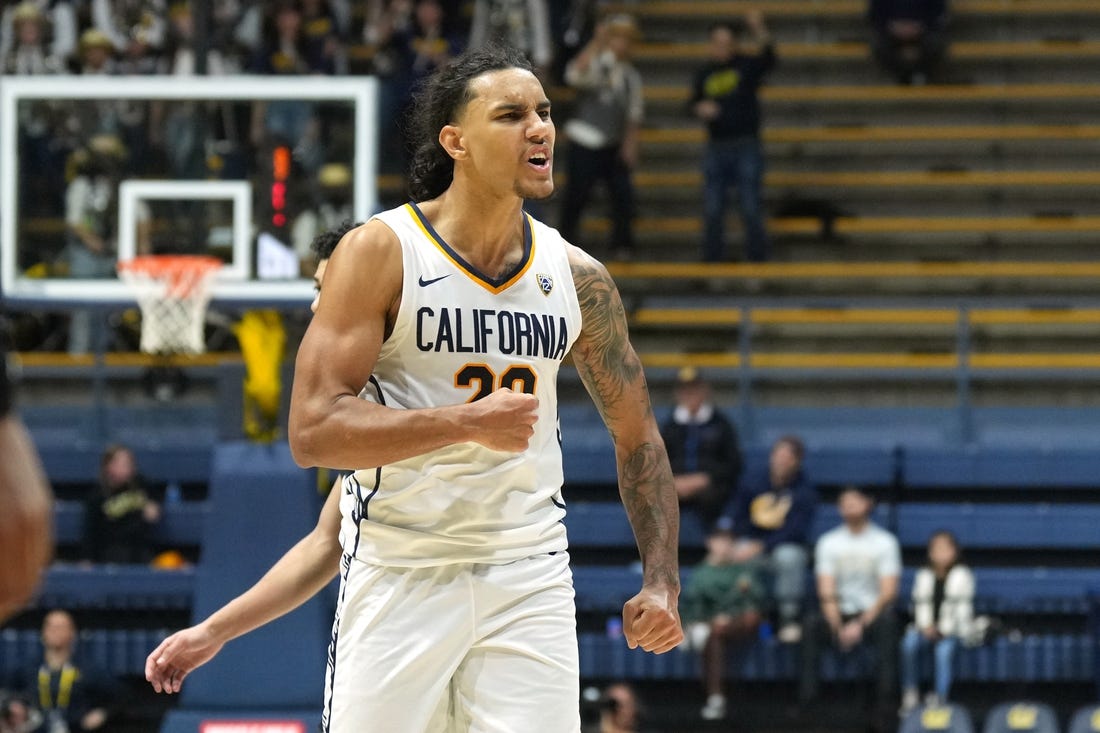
[{"x": 181, "y": 272}]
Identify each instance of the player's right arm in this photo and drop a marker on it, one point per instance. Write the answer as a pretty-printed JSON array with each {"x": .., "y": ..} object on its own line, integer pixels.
[
  {"x": 299, "y": 574},
  {"x": 329, "y": 424}
]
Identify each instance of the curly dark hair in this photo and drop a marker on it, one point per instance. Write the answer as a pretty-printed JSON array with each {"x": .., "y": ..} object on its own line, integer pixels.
[
  {"x": 436, "y": 105},
  {"x": 325, "y": 243}
]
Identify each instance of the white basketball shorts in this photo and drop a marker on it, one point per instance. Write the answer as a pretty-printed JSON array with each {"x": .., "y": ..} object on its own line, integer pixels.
[{"x": 454, "y": 649}]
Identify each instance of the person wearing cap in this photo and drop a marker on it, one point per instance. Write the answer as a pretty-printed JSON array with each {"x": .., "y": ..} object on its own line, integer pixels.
[
  {"x": 330, "y": 206},
  {"x": 603, "y": 132},
  {"x": 773, "y": 510},
  {"x": 58, "y": 26},
  {"x": 703, "y": 449},
  {"x": 96, "y": 53},
  {"x": 29, "y": 53}
]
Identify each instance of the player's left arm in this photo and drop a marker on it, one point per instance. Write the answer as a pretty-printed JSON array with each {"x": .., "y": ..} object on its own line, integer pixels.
[{"x": 613, "y": 376}]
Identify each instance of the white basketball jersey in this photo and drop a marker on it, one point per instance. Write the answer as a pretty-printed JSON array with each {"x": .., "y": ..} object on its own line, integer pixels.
[{"x": 457, "y": 337}]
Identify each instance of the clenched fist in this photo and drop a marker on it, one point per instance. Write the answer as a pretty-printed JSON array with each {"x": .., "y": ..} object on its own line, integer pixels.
[
  {"x": 504, "y": 421},
  {"x": 651, "y": 621}
]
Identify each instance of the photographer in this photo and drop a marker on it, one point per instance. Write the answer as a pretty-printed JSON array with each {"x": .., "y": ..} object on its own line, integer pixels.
[
  {"x": 617, "y": 707},
  {"x": 17, "y": 715}
]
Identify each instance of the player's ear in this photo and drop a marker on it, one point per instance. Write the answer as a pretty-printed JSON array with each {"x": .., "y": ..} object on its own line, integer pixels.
[{"x": 450, "y": 137}]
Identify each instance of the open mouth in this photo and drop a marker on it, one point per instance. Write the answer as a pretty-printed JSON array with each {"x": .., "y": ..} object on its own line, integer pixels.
[{"x": 539, "y": 160}]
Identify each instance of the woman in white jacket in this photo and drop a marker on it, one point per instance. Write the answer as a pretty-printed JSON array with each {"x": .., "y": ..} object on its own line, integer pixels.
[{"x": 943, "y": 609}]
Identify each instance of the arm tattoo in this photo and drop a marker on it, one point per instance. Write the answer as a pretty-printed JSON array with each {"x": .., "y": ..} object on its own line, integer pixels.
[
  {"x": 651, "y": 505},
  {"x": 613, "y": 375},
  {"x": 607, "y": 365}
]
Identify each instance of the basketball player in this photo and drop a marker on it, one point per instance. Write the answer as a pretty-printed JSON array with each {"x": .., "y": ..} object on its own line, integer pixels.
[
  {"x": 299, "y": 574},
  {"x": 456, "y": 605},
  {"x": 26, "y": 539}
]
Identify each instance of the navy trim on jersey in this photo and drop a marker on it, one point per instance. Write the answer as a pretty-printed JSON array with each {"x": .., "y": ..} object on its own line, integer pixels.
[
  {"x": 326, "y": 713},
  {"x": 470, "y": 269},
  {"x": 363, "y": 503},
  {"x": 358, "y": 515}
]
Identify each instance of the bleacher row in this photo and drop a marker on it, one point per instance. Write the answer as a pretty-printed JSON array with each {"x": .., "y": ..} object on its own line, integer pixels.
[{"x": 601, "y": 591}]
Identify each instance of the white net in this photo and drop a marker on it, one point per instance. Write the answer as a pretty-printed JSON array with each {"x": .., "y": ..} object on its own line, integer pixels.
[{"x": 173, "y": 292}]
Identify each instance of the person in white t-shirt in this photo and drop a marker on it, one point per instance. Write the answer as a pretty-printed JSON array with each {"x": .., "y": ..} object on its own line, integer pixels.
[{"x": 857, "y": 566}]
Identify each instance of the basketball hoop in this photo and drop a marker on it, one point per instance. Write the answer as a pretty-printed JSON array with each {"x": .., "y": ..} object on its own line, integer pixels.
[{"x": 172, "y": 292}]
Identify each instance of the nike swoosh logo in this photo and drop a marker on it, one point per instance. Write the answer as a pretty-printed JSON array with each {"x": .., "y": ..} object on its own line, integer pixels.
[{"x": 425, "y": 283}]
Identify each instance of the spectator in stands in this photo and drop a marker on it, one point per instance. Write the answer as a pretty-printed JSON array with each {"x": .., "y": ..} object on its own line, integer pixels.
[
  {"x": 29, "y": 53},
  {"x": 603, "y": 132},
  {"x": 943, "y": 611},
  {"x": 323, "y": 34},
  {"x": 17, "y": 714},
  {"x": 703, "y": 449},
  {"x": 858, "y": 566},
  {"x": 909, "y": 37},
  {"x": 773, "y": 513},
  {"x": 136, "y": 29},
  {"x": 285, "y": 50},
  {"x": 96, "y": 54},
  {"x": 25, "y": 523},
  {"x": 71, "y": 694},
  {"x": 119, "y": 516},
  {"x": 58, "y": 27},
  {"x": 573, "y": 23},
  {"x": 179, "y": 58},
  {"x": 723, "y": 603},
  {"x": 725, "y": 96},
  {"x": 331, "y": 206},
  {"x": 39, "y": 164},
  {"x": 91, "y": 223},
  {"x": 409, "y": 45},
  {"x": 620, "y": 710},
  {"x": 522, "y": 24}
]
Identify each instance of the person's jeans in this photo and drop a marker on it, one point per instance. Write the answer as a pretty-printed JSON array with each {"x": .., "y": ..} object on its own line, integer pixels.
[
  {"x": 913, "y": 648},
  {"x": 739, "y": 163},
  {"x": 788, "y": 563},
  {"x": 85, "y": 323},
  {"x": 585, "y": 166}
]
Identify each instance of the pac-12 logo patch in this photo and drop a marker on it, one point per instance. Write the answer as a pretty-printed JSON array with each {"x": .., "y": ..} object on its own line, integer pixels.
[{"x": 546, "y": 283}]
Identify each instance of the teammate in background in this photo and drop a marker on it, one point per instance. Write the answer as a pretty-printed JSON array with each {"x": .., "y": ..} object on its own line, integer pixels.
[
  {"x": 299, "y": 574},
  {"x": 456, "y": 598},
  {"x": 26, "y": 538}
]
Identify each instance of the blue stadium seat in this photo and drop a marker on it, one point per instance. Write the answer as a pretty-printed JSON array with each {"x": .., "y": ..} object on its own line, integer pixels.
[
  {"x": 1048, "y": 526},
  {"x": 1021, "y": 717},
  {"x": 939, "y": 718},
  {"x": 116, "y": 587},
  {"x": 605, "y": 524},
  {"x": 119, "y": 652},
  {"x": 1037, "y": 658},
  {"x": 1027, "y": 589},
  {"x": 1000, "y": 466},
  {"x": 181, "y": 523},
  {"x": 1085, "y": 720}
]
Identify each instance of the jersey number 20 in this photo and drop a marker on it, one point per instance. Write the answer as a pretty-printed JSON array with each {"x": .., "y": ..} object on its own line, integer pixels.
[{"x": 518, "y": 378}]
